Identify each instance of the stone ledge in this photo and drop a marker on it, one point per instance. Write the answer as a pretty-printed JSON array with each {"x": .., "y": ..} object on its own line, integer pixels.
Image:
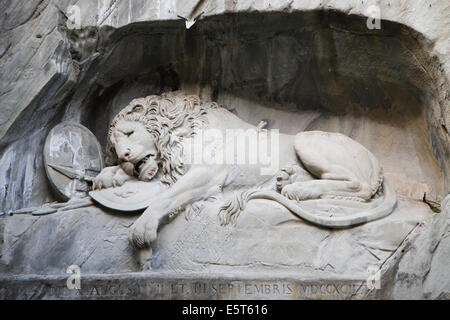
[{"x": 191, "y": 286}]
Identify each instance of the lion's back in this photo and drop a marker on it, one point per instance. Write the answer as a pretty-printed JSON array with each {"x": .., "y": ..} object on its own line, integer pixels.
[{"x": 221, "y": 118}]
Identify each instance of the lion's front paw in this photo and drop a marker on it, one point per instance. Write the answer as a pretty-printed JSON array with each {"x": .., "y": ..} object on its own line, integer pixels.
[
  {"x": 120, "y": 178},
  {"x": 110, "y": 177},
  {"x": 143, "y": 232},
  {"x": 104, "y": 179}
]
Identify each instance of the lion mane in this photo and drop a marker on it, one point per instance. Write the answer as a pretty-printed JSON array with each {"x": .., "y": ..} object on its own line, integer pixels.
[{"x": 168, "y": 117}]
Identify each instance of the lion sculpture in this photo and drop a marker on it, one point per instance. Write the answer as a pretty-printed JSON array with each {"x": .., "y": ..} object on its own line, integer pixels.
[{"x": 151, "y": 136}]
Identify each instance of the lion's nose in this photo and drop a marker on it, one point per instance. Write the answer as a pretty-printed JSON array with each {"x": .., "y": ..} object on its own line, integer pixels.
[{"x": 124, "y": 156}]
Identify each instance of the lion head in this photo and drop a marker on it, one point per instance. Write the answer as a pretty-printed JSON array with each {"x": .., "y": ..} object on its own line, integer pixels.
[{"x": 146, "y": 135}]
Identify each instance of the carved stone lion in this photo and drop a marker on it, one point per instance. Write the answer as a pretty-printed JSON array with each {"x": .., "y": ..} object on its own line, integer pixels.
[{"x": 152, "y": 136}]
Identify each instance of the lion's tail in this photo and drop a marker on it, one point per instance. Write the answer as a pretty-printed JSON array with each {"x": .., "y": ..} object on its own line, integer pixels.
[{"x": 230, "y": 211}]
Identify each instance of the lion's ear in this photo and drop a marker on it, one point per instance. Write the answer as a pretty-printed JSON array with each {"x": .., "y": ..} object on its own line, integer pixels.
[{"x": 139, "y": 108}]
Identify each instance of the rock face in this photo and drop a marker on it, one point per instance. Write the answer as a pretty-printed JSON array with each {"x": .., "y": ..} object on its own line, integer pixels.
[
  {"x": 298, "y": 65},
  {"x": 410, "y": 247},
  {"x": 276, "y": 241},
  {"x": 97, "y": 241},
  {"x": 418, "y": 270},
  {"x": 90, "y": 238}
]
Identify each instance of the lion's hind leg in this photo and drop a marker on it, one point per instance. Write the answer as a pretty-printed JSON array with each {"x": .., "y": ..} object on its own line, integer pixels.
[
  {"x": 336, "y": 182},
  {"x": 322, "y": 189},
  {"x": 340, "y": 165}
]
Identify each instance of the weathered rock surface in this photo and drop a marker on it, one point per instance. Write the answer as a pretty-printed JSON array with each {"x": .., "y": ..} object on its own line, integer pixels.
[
  {"x": 420, "y": 268},
  {"x": 273, "y": 240},
  {"x": 89, "y": 237},
  {"x": 410, "y": 247},
  {"x": 276, "y": 241}
]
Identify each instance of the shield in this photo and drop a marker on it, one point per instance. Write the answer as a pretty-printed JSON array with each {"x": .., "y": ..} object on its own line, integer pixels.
[
  {"x": 72, "y": 158},
  {"x": 132, "y": 196}
]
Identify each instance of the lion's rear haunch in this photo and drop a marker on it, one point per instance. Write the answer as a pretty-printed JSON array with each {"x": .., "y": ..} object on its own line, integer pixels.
[{"x": 231, "y": 210}]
